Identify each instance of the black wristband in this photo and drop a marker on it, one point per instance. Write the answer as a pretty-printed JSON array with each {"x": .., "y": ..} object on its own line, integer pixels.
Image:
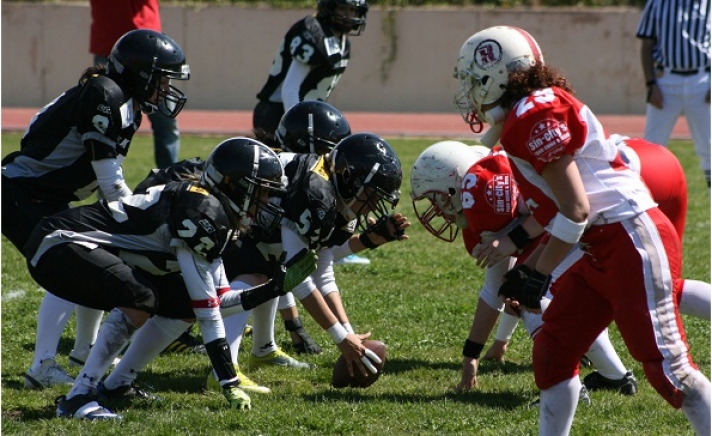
[
  {"x": 650, "y": 83},
  {"x": 366, "y": 241},
  {"x": 472, "y": 349},
  {"x": 519, "y": 237}
]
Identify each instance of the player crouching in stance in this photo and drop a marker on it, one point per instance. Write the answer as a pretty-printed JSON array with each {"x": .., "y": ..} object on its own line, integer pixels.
[
  {"x": 581, "y": 191},
  {"x": 157, "y": 253},
  {"x": 467, "y": 188}
]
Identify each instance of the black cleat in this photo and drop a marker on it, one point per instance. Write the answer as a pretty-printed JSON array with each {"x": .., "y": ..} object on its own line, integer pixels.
[
  {"x": 128, "y": 392},
  {"x": 626, "y": 385},
  {"x": 185, "y": 343}
]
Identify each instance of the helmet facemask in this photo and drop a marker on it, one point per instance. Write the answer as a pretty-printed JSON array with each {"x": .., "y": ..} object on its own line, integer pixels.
[
  {"x": 437, "y": 212},
  {"x": 351, "y": 26}
]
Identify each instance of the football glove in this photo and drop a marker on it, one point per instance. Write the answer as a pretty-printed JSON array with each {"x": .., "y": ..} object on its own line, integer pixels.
[
  {"x": 380, "y": 228},
  {"x": 525, "y": 285},
  {"x": 237, "y": 398},
  {"x": 290, "y": 274}
]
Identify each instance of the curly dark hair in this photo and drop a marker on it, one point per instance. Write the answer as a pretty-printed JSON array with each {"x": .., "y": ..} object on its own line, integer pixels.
[{"x": 524, "y": 82}]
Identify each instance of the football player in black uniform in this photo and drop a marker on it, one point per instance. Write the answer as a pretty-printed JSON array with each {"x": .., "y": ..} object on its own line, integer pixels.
[
  {"x": 133, "y": 257},
  {"x": 329, "y": 198},
  {"x": 307, "y": 127},
  {"x": 309, "y": 61},
  {"x": 75, "y": 145}
]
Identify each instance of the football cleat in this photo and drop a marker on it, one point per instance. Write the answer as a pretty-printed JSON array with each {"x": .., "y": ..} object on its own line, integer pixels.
[
  {"x": 129, "y": 392},
  {"x": 353, "y": 259},
  {"x": 47, "y": 375},
  {"x": 246, "y": 384},
  {"x": 185, "y": 343},
  {"x": 83, "y": 407},
  {"x": 627, "y": 385},
  {"x": 277, "y": 358}
]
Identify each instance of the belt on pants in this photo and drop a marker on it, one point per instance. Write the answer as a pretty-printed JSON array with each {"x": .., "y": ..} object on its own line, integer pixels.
[{"x": 683, "y": 72}]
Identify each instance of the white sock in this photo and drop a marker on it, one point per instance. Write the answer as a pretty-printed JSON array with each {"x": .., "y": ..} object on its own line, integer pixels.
[
  {"x": 695, "y": 299},
  {"x": 148, "y": 342},
  {"x": 113, "y": 336},
  {"x": 604, "y": 357},
  {"x": 557, "y": 407},
  {"x": 88, "y": 323},
  {"x": 52, "y": 317},
  {"x": 263, "y": 317},
  {"x": 696, "y": 405},
  {"x": 286, "y": 301},
  {"x": 532, "y": 323},
  {"x": 506, "y": 326}
]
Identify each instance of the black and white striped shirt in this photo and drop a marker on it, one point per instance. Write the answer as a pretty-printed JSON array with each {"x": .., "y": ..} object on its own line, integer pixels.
[{"x": 682, "y": 31}]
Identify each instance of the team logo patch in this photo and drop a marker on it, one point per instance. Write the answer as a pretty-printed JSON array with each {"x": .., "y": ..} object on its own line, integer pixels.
[
  {"x": 207, "y": 226},
  {"x": 101, "y": 123},
  {"x": 499, "y": 193},
  {"x": 488, "y": 54},
  {"x": 548, "y": 138}
]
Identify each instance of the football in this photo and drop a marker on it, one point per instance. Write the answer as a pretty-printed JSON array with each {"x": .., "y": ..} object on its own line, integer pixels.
[{"x": 340, "y": 376}]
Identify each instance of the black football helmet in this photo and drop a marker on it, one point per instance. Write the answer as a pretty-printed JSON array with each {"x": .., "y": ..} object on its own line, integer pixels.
[
  {"x": 140, "y": 59},
  {"x": 366, "y": 169},
  {"x": 237, "y": 172},
  {"x": 326, "y": 9},
  {"x": 312, "y": 127}
]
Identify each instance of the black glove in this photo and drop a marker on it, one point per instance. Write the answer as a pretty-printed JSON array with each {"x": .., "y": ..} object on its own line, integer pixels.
[
  {"x": 525, "y": 285},
  {"x": 380, "y": 228}
]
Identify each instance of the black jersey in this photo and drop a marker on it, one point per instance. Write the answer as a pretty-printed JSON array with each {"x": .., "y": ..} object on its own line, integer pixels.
[
  {"x": 94, "y": 120},
  {"x": 311, "y": 42},
  {"x": 143, "y": 229}
]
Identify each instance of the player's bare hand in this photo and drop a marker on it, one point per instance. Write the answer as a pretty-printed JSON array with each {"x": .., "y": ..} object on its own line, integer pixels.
[
  {"x": 469, "y": 375},
  {"x": 353, "y": 350}
]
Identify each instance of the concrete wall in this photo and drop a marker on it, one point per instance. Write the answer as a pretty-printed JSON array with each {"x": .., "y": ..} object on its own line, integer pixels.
[{"x": 408, "y": 68}]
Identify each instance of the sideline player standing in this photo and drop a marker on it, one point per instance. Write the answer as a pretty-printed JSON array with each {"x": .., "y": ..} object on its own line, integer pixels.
[
  {"x": 675, "y": 53},
  {"x": 579, "y": 189}
]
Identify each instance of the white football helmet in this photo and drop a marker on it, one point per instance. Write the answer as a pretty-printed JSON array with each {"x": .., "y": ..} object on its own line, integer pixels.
[
  {"x": 436, "y": 182},
  {"x": 483, "y": 68}
]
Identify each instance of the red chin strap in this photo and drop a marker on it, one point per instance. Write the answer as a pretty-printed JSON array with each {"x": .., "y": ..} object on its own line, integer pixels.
[{"x": 475, "y": 123}]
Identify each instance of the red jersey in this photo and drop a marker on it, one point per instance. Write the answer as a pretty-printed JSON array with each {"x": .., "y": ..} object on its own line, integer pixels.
[
  {"x": 110, "y": 19},
  {"x": 551, "y": 122}
]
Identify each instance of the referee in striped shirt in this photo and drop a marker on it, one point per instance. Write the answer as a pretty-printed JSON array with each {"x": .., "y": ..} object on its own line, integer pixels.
[{"x": 675, "y": 53}]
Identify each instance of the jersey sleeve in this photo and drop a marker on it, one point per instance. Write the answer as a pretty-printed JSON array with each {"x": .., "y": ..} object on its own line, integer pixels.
[
  {"x": 106, "y": 117},
  {"x": 199, "y": 221},
  {"x": 489, "y": 195},
  {"x": 548, "y": 125}
]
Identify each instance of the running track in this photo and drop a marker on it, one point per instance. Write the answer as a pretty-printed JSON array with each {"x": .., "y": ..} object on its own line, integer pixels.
[{"x": 424, "y": 125}]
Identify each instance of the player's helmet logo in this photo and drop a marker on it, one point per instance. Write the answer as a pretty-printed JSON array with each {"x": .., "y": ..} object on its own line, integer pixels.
[{"x": 487, "y": 54}]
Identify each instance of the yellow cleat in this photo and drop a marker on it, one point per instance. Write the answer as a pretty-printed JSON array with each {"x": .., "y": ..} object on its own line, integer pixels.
[
  {"x": 246, "y": 384},
  {"x": 277, "y": 358}
]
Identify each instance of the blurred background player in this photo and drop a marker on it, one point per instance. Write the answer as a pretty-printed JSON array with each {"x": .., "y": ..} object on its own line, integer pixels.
[
  {"x": 675, "y": 54},
  {"x": 54, "y": 168},
  {"x": 308, "y": 64}
]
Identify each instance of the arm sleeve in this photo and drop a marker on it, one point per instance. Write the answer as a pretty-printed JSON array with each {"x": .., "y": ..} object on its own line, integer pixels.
[
  {"x": 203, "y": 279},
  {"x": 110, "y": 178},
  {"x": 323, "y": 276},
  {"x": 341, "y": 251},
  {"x": 292, "y": 83}
]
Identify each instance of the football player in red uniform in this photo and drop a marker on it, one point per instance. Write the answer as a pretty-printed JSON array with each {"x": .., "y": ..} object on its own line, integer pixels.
[
  {"x": 577, "y": 186},
  {"x": 467, "y": 188}
]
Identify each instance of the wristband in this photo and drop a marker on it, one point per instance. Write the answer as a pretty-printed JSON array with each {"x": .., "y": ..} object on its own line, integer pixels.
[
  {"x": 338, "y": 333},
  {"x": 567, "y": 230},
  {"x": 347, "y": 327},
  {"x": 472, "y": 349},
  {"x": 519, "y": 237},
  {"x": 366, "y": 241}
]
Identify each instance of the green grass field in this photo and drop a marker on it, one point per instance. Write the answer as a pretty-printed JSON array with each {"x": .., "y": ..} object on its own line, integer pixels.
[{"x": 417, "y": 296}]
